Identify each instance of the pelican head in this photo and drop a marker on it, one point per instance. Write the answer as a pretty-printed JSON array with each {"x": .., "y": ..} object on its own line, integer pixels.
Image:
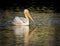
[{"x": 27, "y": 14}]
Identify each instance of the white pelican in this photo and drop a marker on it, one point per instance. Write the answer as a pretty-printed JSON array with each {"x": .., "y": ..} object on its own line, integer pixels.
[{"x": 23, "y": 20}]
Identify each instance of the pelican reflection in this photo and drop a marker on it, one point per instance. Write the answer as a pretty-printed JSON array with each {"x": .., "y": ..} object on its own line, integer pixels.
[
  {"x": 23, "y": 31},
  {"x": 20, "y": 30}
]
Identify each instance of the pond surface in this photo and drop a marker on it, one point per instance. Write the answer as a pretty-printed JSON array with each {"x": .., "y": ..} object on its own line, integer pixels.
[
  {"x": 43, "y": 32},
  {"x": 27, "y": 36}
]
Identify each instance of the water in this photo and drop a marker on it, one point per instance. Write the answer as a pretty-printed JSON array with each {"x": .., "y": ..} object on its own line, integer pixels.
[
  {"x": 43, "y": 32},
  {"x": 26, "y": 36}
]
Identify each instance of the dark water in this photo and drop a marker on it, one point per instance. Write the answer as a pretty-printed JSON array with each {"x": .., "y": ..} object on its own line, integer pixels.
[{"x": 45, "y": 31}]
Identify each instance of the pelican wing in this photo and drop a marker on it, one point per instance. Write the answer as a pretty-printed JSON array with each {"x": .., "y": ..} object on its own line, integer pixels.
[
  {"x": 19, "y": 20},
  {"x": 24, "y": 20}
]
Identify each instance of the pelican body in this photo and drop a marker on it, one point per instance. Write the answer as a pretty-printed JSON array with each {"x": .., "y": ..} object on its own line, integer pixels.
[{"x": 22, "y": 20}]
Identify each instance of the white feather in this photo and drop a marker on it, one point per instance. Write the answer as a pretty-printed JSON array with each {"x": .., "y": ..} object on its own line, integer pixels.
[{"x": 20, "y": 20}]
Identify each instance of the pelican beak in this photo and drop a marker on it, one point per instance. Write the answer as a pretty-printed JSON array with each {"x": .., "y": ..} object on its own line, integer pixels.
[{"x": 29, "y": 15}]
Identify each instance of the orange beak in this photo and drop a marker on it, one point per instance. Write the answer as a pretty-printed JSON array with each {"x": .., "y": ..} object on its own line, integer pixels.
[{"x": 28, "y": 15}]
